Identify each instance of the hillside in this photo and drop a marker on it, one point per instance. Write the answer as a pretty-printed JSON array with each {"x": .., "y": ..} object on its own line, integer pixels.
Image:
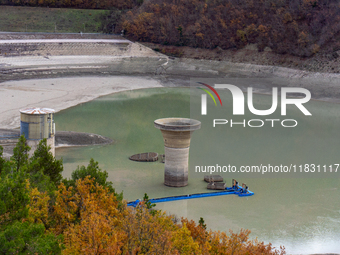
[{"x": 299, "y": 28}]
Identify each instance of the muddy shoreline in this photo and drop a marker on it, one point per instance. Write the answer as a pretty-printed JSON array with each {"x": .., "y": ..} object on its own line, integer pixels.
[
  {"x": 169, "y": 72},
  {"x": 9, "y": 138},
  {"x": 45, "y": 56}
]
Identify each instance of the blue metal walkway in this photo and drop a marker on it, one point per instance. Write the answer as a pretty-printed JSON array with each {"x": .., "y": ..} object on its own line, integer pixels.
[{"x": 237, "y": 190}]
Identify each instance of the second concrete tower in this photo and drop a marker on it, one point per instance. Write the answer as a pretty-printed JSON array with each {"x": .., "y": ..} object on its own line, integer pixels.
[{"x": 176, "y": 135}]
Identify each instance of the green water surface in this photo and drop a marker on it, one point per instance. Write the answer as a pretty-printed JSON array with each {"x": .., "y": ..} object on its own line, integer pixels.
[{"x": 301, "y": 212}]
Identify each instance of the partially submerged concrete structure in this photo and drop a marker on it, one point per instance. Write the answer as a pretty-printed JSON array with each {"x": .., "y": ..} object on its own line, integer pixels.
[
  {"x": 213, "y": 178},
  {"x": 176, "y": 135}
]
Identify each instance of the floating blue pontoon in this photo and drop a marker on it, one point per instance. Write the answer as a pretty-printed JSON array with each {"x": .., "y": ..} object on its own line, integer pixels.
[{"x": 237, "y": 190}]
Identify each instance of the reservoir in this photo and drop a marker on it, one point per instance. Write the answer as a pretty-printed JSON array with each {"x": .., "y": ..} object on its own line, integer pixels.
[{"x": 298, "y": 210}]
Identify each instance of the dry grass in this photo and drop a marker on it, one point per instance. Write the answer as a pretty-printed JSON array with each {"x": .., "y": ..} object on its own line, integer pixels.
[{"x": 40, "y": 19}]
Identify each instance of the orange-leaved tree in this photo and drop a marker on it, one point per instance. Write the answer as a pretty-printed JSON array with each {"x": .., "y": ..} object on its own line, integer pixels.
[{"x": 89, "y": 218}]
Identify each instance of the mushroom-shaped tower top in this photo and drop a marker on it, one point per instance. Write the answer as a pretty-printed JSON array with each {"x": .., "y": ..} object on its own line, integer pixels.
[
  {"x": 177, "y": 124},
  {"x": 177, "y": 131}
]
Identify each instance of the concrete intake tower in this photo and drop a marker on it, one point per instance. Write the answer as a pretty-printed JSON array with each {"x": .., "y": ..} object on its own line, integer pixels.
[
  {"x": 37, "y": 124},
  {"x": 176, "y": 135}
]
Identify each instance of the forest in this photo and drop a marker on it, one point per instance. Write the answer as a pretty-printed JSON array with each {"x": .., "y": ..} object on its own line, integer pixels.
[
  {"x": 43, "y": 213},
  {"x": 297, "y": 27}
]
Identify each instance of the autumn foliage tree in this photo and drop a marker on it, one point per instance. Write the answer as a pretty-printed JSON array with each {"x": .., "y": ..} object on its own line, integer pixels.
[{"x": 89, "y": 217}]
